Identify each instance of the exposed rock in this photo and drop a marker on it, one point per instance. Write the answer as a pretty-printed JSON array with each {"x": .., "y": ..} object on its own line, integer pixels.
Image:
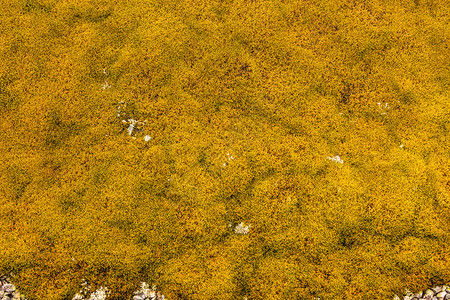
[
  {"x": 335, "y": 159},
  {"x": 435, "y": 293},
  {"x": 441, "y": 295},
  {"x": 9, "y": 288},
  {"x": 241, "y": 229}
]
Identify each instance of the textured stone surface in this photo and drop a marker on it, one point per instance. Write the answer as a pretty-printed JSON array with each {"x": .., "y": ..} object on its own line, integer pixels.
[
  {"x": 8, "y": 290},
  {"x": 435, "y": 293}
]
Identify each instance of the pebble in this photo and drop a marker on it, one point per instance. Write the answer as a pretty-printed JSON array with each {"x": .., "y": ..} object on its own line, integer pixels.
[
  {"x": 130, "y": 129},
  {"x": 241, "y": 229}
]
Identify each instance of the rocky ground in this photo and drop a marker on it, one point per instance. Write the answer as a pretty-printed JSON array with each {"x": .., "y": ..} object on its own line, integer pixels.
[{"x": 8, "y": 292}]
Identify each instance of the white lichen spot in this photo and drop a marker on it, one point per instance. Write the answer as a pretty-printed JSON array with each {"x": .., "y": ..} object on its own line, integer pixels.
[
  {"x": 99, "y": 294},
  {"x": 106, "y": 85},
  {"x": 230, "y": 157},
  {"x": 241, "y": 229},
  {"x": 383, "y": 108},
  {"x": 335, "y": 159},
  {"x": 130, "y": 129},
  {"x": 146, "y": 293},
  {"x": 147, "y": 138}
]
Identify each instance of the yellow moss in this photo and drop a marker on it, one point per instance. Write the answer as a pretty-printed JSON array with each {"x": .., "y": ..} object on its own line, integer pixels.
[{"x": 246, "y": 103}]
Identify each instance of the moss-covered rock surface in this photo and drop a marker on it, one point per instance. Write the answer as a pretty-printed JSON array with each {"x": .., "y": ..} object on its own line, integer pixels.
[{"x": 225, "y": 149}]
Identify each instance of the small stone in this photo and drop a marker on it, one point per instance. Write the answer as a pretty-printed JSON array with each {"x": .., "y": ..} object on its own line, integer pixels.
[
  {"x": 151, "y": 294},
  {"x": 9, "y": 288},
  {"x": 16, "y": 297},
  {"x": 441, "y": 295},
  {"x": 147, "y": 138},
  {"x": 130, "y": 129},
  {"x": 241, "y": 229},
  {"x": 437, "y": 289}
]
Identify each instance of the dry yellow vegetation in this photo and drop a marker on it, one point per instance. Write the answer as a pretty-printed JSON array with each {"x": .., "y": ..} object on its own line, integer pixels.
[{"x": 324, "y": 125}]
